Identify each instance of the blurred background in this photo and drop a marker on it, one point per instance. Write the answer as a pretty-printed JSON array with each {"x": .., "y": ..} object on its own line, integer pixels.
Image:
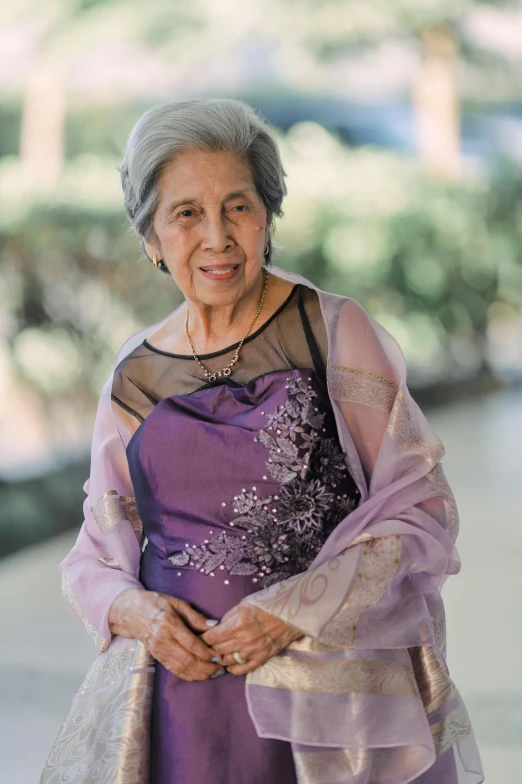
[{"x": 400, "y": 126}]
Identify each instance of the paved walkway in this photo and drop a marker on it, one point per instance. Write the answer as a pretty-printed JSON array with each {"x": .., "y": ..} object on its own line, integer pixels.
[{"x": 44, "y": 654}]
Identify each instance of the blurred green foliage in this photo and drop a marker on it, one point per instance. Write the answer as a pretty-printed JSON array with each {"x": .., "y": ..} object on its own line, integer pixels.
[
  {"x": 428, "y": 258},
  {"x": 434, "y": 261},
  {"x": 438, "y": 263},
  {"x": 76, "y": 287}
]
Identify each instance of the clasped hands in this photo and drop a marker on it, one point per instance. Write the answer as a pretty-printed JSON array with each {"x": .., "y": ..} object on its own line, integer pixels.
[{"x": 184, "y": 641}]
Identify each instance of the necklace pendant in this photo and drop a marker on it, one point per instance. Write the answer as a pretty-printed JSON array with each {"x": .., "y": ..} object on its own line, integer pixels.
[{"x": 227, "y": 370}]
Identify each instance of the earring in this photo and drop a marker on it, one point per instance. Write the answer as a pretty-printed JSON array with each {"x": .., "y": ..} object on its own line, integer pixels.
[
  {"x": 266, "y": 248},
  {"x": 156, "y": 262}
]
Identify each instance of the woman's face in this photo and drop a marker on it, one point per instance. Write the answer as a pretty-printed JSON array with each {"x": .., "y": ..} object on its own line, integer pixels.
[{"x": 211, "y": 226}]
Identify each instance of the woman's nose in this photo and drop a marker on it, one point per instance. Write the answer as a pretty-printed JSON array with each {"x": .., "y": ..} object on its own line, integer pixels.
[{"x": 215, "y": 236}]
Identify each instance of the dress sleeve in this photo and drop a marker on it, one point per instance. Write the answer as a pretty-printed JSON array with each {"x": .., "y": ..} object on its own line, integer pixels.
[
  {"x": 376, "y": 582},
  {"x": 104, "y": 561}
]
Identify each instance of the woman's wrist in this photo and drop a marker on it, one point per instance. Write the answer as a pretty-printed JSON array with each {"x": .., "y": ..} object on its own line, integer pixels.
[{"x": 121, "y": 605}]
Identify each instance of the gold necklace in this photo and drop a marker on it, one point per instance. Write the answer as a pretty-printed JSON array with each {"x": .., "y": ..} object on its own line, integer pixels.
[{"x": 227, "y": 370}]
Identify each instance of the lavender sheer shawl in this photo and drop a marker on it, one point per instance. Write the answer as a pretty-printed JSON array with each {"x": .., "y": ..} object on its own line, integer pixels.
[{"x": 364, "y": 696}]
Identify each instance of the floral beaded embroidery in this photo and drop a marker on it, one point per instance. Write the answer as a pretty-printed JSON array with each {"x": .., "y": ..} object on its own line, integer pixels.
[{"x": 283, "y": 532}]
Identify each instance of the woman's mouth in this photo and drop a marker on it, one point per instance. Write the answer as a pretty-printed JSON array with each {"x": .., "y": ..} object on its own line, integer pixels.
[{"x": 221, "y": 273}]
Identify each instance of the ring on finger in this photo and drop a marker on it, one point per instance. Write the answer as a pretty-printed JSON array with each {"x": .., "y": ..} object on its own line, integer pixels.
[{"x": 239, "y": 659}]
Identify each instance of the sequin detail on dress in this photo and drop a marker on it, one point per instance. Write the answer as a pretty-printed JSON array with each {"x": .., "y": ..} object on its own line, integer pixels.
[{"x": 283, "y": 532}]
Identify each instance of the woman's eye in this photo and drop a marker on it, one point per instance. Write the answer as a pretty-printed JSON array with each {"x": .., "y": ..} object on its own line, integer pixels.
[
  {"x": 240, "y": 207},
  {"x": 186, "y": 213}
]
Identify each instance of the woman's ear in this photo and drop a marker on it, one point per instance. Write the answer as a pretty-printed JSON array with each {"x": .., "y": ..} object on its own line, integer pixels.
[{"x": 150, "y": 248}]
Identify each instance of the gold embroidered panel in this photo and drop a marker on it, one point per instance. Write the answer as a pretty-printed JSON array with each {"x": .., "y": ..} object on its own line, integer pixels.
[
  {"x": 336, "y": 767},
  {"x": 364, "y": 537},
  {"x": 351, "y": 385},
  {"x": 435, "y": 685},
  {"x": 402, "y": 430},
  {"x": 114, "y": 666},
  {"x": 342, "y": 766},
  {"x": 362, "y": 677},
  {"x": 438, "y": 618},
  {"x": 110, "y": 562},
  {"x": 293, "y": 600},
  {"x": 101, "y": 643},
  {"x": 438, "y": 478},
  {"x": 308, "y": 644},
  {"x": 105, "y": 737},
  {"x": 377, "y": 568},
  {"x": 451, "y": 729},
  {"x": 131, "y": 513},
  {"x": 112, "y": 509}
]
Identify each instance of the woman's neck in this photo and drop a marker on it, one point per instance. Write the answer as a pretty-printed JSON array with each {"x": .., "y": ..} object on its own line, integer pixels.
[
  {"x": 212, "y": 327},
  {"x": 218, "y": 335}
]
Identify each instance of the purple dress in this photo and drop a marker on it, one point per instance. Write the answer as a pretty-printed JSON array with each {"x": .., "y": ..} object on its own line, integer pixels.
[
  {"x": 238, "y": 483},
  {"x": 237, "y": 486}
]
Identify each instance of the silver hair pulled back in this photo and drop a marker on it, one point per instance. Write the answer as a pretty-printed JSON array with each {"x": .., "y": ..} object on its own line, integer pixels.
[{"x": 206, "y": 124}]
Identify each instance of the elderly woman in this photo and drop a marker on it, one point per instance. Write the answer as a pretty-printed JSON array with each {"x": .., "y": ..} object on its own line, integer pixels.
[{"x": 268, "y": 526}]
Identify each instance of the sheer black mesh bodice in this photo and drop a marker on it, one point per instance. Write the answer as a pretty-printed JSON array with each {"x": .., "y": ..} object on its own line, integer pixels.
[{"x": 293, "y": 337}]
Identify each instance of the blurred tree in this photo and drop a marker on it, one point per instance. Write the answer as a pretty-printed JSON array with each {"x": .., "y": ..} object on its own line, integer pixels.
[
  {"x": 65, "y": 31},
  {"x": 435, "y": 100},
  {"x": 204, "y": 29},
  {"x": 437, "y": 262},
  {"x": 332, "y": 27}
]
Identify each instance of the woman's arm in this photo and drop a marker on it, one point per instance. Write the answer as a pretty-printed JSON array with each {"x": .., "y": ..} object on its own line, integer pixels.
[{"x": 104, "y": 561}]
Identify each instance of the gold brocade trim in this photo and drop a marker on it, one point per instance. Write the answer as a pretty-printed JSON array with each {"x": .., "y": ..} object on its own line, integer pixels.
[
  {"x": 365, "y": 373},
  {"x": 308, "y": 644},
  {"x": 451, "y": 729},
  {"x": 332, "y": 766},
  {"x": 376, "y": 392},
  {"x": 378, "y": 565},
  {"x": 289, "y": 599},
  {"x": 112, "y": 509},
  {"x": 108, "y": 511},
  {"x": 435, "y": 686},
  {"x": 101, "y": 643},
  {"x": 402, "y": 430},
  {"x": 355, "y": 677},
  {"x": 105, "y": 736},
  {"x": 361, "y": 387},
  {"x": 131, "y": 513},
  {"x": 110, "y": 669},
  {"x": 346, "y": 622},
  {"x": 438, "y": 619},
  {"x": 111, "y": 562},
  {"x": 438, "y": 478},
  {"x": 342, "y": 766},
  {"x": 364, "y": 537}
]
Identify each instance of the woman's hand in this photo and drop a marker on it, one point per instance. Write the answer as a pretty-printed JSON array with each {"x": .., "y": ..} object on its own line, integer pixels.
[
  {"x": 167, "y": 627},
  {"x": 251, "y": 632}
]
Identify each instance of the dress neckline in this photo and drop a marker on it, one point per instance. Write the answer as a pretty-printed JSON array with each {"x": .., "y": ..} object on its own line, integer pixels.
[
  {"x": 224, "y": 382},
  {"x": 233, "y": 346}
]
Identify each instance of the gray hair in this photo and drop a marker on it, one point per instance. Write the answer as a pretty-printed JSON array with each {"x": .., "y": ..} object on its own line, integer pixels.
[{"x": 205, "y": 124}]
